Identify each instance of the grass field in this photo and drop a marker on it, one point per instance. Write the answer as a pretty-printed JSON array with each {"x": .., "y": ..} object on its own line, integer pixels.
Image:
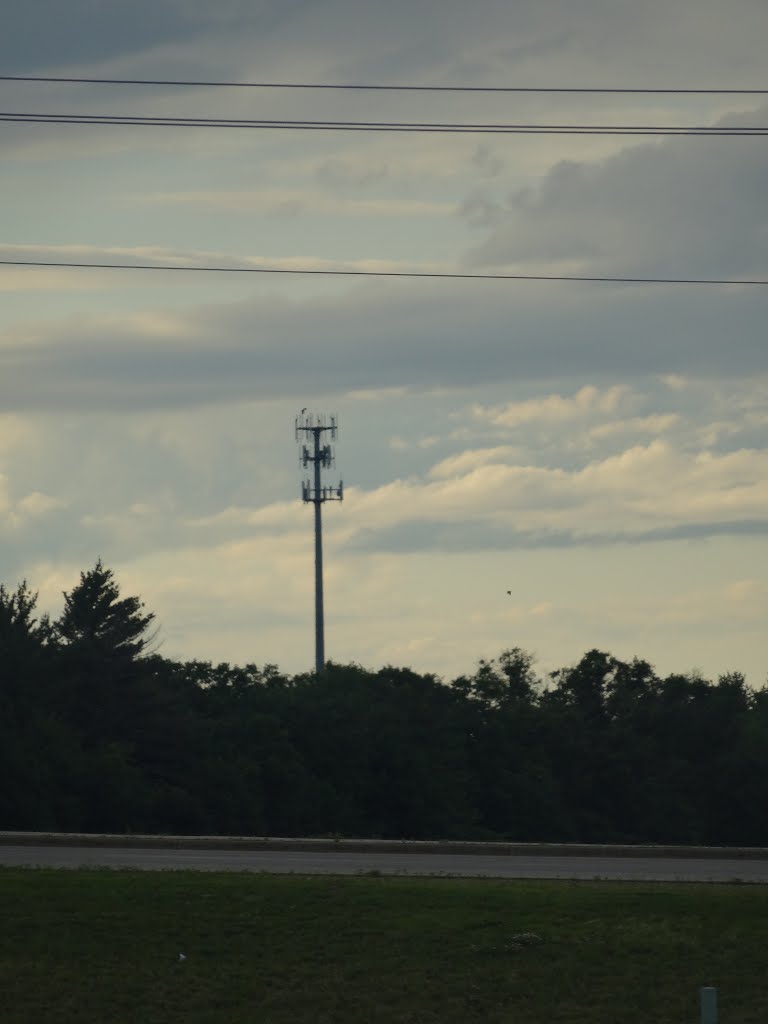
[{"x": 99, "y": 947}]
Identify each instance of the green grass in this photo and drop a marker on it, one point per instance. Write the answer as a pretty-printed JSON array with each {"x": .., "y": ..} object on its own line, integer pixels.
[{"x": 100, "y": 947}]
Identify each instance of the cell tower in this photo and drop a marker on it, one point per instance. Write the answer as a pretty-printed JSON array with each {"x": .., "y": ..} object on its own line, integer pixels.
[{"x": 321, "y": 456}]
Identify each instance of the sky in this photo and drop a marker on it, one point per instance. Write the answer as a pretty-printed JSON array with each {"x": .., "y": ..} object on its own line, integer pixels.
[{"x": 598, "y": 449}]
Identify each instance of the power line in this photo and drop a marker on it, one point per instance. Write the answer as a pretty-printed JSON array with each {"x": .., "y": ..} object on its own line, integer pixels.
[
  {"x": 436, "y": 275},
  {"x": 359, "y": 86},
  {"x": 141, "y": 120}
]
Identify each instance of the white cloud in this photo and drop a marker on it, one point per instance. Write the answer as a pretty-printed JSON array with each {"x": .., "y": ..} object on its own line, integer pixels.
[
  {"x": 674, "y": 381},
  {"x": 587, "y": 401},
  {"x": 656, "y": 423},
  {"x": 464, "y": 462},
  {"x": 649, "y": 489},
  {"x": 24, "y": 511}
]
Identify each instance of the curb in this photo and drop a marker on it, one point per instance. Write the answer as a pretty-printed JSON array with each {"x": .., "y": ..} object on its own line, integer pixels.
[{"x": 393, "y": 846}]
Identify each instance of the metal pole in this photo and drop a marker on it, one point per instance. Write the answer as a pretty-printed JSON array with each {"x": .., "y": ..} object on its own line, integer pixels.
[
  {"x": 708, "y": 1001},
  {"x": 319, "y": 623}
]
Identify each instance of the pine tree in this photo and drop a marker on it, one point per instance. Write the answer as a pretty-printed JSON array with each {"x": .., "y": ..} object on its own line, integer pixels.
[
  {"x": 98, "y": 621},
  {"x": 19, "y": 629}
]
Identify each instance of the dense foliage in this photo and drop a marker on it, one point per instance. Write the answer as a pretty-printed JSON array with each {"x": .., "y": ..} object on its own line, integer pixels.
[{"x": 98, "y": 732}]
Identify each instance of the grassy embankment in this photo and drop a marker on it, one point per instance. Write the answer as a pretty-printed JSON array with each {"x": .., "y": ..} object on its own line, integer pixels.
[{"x": 99, "y": 947}]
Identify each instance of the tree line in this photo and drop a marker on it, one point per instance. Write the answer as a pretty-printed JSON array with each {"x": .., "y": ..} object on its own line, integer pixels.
[{"x": 100, "y": 733}]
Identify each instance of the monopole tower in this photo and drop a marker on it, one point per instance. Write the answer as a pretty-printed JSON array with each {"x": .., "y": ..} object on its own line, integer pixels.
[{"x": 314, "y": 433}]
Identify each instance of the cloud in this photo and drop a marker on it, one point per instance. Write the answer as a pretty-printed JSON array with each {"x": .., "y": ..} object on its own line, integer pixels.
[
  {"x": 746, "y": 592},
  {"x": 464, "y": 462},
  {"x": 147, "y": 416},
  {"x": 155, "y": 257},
  {"x": 656, "y": 423},
  {"x": 294, "y": 202},
  {"x": 351, "y": 171},
  {"x": 48, "y": 34},
  {"x": 380, "y": 335},
  {"x": 646, "y": 492},
  {"x": 657, "y": 209},
  {"x": 587, "y": 401},
  {"x": 475, "y": 538},
  {"x": 159, "y": 481},
  {"x": 17, "y": 435},
  {"x": 488, "y": 163},
  {"x": 25, "y": 511}
]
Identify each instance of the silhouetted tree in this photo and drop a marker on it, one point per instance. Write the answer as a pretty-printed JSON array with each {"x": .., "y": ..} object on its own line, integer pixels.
[
  {"x": 98, "y": 622},
  {"x": 98, "y": 732}
]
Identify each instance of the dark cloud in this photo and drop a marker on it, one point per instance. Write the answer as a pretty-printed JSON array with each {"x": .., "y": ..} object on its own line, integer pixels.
[
  {"x": 546, "y": 40},
  {"x": 39, "y": 35},
  {"x": 683, "y": 207},
  {"x": 415, "y": 335},
  {"x": 451, "y": 538}
]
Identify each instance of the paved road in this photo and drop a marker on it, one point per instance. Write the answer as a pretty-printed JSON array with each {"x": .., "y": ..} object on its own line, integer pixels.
[{"x": 342, "y": 863}]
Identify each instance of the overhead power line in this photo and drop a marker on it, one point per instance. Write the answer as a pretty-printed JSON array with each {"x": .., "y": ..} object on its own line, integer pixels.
[
  {"x": 435, "y": 275},
  {"x": 150, "y": 121},
  {"x": 360, "y": 86}
]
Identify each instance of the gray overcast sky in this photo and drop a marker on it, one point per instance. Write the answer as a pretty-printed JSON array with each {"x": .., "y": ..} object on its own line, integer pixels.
[{"x": 601, "y": 450}]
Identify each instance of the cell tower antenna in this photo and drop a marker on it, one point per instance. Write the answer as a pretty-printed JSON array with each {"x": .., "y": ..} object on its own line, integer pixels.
[{"x": 311, "y": 430}]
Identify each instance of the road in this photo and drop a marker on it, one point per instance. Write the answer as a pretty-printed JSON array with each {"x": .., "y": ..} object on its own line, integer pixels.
[{"x": 641, "y": 869}]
